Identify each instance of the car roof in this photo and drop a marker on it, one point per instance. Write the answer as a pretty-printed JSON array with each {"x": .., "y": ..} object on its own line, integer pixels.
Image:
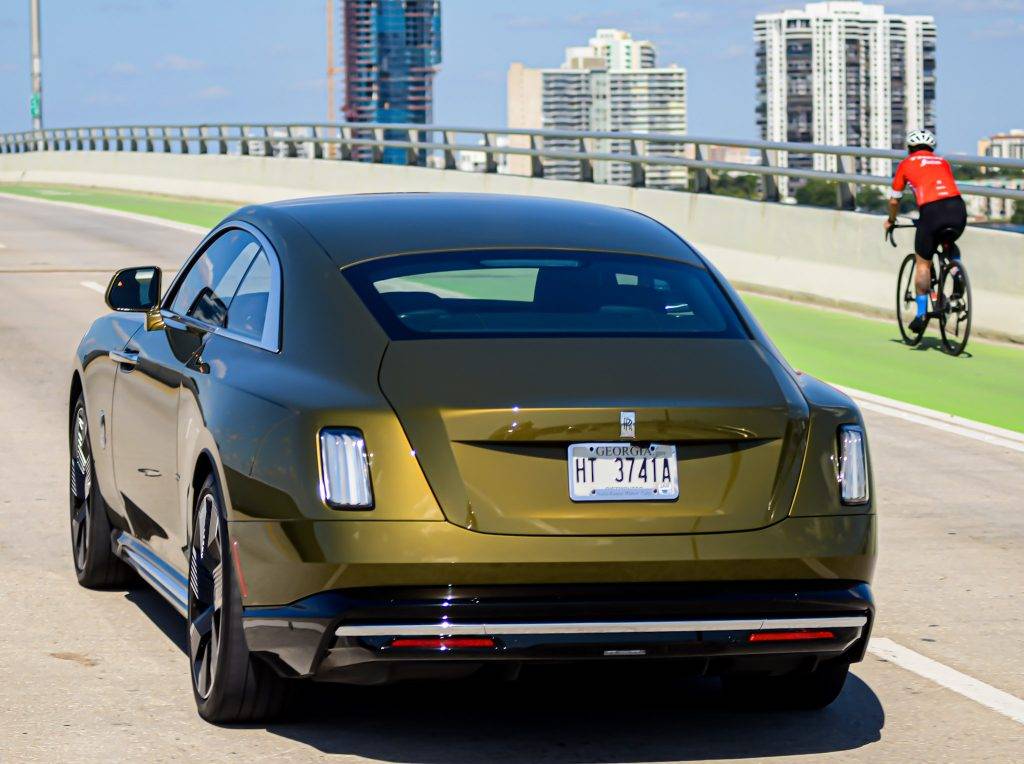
[{"x": 359, "y": 227}]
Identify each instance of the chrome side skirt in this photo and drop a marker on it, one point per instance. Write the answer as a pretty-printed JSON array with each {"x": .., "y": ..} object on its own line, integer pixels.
[
  {"x": 603, "y": 627},
  {"x": 168, "y": 582}
]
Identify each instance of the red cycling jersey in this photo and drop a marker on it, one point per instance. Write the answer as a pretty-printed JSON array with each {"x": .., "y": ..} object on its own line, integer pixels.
[{"x": 929, "y": 175}]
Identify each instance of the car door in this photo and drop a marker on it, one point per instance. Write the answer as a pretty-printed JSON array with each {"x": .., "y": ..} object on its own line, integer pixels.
[{"x": 154, "y": 372}]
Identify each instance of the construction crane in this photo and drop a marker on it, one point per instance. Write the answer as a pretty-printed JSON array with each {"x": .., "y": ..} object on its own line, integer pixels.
[{"x": 332, "y": 68}]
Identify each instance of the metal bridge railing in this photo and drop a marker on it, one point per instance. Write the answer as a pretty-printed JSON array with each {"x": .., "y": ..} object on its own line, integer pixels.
[{"x": 441, "y": 146}]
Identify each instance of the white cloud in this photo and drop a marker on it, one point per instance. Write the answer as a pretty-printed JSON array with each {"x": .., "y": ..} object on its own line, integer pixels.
[
  {"x": 124, "y": 69},
  {"x": 175, "y": 63},
  {"x": 693, "y": 17},
  {"x": 214, "y": 93},
  {"x": 527, "y": 22},
  {"x": 999, "y": 31}
]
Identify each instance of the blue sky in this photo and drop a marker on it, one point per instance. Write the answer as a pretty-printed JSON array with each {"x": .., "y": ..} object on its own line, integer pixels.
[{"x": 124, "y": 61}]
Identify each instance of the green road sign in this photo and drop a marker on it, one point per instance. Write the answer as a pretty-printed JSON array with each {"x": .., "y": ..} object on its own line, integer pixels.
[{"x": 35, "y": 106}]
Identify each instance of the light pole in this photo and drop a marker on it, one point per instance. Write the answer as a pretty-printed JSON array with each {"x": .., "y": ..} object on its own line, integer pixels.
[{"x": 37, "y": 71}]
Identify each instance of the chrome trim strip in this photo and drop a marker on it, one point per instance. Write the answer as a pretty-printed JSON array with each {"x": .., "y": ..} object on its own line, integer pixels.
[
  {"x": 168, "y": 582},
  {"x": 602, "y": 627}
]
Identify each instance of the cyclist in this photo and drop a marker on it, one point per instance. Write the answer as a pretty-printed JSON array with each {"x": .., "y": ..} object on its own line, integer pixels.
[{"x": 940, "y": 206}]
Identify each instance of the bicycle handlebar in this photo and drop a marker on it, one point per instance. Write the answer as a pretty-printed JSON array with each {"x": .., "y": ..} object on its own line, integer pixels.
[{"x": 888, "y": 232}]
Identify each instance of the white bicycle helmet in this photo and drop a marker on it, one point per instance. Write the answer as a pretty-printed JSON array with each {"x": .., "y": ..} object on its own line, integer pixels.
[{"x": 921, "y": 138}]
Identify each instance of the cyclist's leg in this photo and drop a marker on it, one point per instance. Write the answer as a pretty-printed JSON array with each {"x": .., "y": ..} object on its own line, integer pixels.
[
  {"x": 924, "y": 248},
  {"x": 958, "y": 222}
]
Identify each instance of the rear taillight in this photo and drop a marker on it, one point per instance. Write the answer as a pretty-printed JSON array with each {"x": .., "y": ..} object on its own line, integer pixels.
[
  {"x": 852, "y": 465},
  {"x": 789, "y": 636},
  {"x": 442, "y": 643},
  {"x": 344, "y": 469}
]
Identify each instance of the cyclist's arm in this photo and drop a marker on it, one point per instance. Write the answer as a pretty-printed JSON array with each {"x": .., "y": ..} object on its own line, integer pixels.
[
  {"x": 894, "y": 209},
  {"x": 899, "y": 183}
]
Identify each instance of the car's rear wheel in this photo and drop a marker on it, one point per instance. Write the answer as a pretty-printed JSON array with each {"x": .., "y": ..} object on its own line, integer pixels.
[
  {"x": 798, "y": 690},
  {"x": 229, "y": 684},
  {"x": 96, "y": 565}
]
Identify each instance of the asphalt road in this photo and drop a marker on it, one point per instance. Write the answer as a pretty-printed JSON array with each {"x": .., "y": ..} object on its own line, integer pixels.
[{"x": 101, "y": 676}]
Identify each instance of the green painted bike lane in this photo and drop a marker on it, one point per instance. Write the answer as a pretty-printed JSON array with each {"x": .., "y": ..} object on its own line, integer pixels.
[
  {"x": 986, "y": 384},
  {"x": 202, "y": 213}
]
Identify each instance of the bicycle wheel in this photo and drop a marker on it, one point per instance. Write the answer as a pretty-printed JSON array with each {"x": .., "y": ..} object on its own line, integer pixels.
[
  {"x": 955, "y": 306},
  {"x": 906, "y": 301}
]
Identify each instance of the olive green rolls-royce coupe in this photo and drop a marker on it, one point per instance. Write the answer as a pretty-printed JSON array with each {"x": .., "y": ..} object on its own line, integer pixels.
[{"x": 370, "y": 438}]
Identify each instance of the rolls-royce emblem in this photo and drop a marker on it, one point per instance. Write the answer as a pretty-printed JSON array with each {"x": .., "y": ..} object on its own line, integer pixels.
[{"x": 627, "y": 424}]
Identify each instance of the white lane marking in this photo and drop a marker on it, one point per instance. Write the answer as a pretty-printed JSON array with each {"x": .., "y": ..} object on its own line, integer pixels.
[
  {"x": 938, "y": 420},
  {"x": 112, "y": 213},
  {"x": 94, "y": 286},
  {"x": 999, "y": 701}
]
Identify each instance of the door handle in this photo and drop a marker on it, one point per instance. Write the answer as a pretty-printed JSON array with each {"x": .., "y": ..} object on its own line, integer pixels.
[{"x": 125, "y": 357}]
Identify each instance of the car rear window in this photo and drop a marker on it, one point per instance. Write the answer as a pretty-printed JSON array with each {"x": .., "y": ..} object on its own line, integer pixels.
[{"x": 551, "y": 294}]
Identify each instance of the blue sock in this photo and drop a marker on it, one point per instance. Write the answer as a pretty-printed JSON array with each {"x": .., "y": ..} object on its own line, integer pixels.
[{"x": 922, "y": 304}]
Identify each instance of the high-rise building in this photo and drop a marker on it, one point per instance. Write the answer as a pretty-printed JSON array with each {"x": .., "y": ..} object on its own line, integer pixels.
[
  {"x": 648, "y": 100},
  {"x": 844, "y": 74},
  {"x": 1008, "y": 145},
  {"x": 392, "y": 53},
  {"x": 615, "y": 49},
  {"x": 612, "y": 85}
]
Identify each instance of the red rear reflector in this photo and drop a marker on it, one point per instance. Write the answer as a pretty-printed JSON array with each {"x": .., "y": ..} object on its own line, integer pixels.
[
  {"x": 789, "y": 636},
  {"x": 443, "y": 643}
]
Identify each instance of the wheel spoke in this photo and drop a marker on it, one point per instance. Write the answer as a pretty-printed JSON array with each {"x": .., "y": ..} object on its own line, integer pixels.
[
  {"x": 195, "y": 640},
  {"x": 215, "y": 635},
  {"x": 81, "y": 543},
  {"x": 203, "y": 587},
  {"x": 203, "y": 673},
  {"x": 203, "y": 622}
]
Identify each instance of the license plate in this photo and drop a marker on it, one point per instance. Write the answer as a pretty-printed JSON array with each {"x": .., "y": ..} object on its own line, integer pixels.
[{"x": 622, "y": 472}]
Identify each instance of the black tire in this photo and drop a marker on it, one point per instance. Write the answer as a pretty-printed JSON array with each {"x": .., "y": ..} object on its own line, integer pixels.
[
  {"x": 229, "y": 684},
  {"x": 96, "y": 565},
  {"x": 797, "y": 691},
  {"x": 955, "y": 294},
  {"x": 906, "y": 305}
]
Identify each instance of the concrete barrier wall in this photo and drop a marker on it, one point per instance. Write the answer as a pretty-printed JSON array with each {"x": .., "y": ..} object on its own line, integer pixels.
[{"x": 818, "y": 255}]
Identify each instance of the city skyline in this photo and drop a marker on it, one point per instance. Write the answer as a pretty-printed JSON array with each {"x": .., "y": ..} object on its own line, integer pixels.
[{"x": 120, "y": 61}]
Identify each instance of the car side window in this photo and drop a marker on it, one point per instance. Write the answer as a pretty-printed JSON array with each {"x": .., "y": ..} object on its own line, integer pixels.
[
  {"x": 247, "y": 314},
  {"x": 210, "y": 284}
]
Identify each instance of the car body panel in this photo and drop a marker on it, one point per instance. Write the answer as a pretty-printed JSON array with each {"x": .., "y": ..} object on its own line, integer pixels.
[
  {"x": 145, "y": 442},
  {"x": 97, "y": 372}
]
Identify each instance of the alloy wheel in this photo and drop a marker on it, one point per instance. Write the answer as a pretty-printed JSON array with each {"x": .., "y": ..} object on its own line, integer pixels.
[
  {"x": 206, "y": 595},
  {"x": 81, "y": 488}
]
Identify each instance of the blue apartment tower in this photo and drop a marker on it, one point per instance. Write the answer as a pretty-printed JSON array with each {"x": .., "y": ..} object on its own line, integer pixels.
[{"x": 392, "y": 54}]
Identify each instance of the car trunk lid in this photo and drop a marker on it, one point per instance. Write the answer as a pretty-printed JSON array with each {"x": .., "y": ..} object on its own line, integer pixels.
[{"x": 491, "y": 421}]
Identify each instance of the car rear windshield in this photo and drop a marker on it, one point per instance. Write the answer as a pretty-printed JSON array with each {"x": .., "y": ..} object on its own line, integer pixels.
[{"x": 543, "y": 294}]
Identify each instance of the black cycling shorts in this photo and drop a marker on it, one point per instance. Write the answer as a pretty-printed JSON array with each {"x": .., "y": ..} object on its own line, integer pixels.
[{"x": 935, "y": 216}]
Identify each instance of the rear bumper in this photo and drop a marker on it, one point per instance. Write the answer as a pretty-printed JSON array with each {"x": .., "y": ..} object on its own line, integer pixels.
[
  {"x": 347, "y": 635},
  {"x": 291, "y": 560}
]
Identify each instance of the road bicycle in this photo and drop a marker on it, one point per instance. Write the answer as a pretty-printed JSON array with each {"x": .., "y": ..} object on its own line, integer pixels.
[{"x": 949, "y": 294}]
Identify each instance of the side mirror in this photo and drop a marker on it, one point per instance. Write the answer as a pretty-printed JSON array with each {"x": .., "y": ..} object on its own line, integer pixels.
[{"x": 134, "y": 290}]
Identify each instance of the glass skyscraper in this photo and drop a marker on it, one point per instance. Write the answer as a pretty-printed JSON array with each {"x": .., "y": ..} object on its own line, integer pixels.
[{"x": 392, "y": 53}]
